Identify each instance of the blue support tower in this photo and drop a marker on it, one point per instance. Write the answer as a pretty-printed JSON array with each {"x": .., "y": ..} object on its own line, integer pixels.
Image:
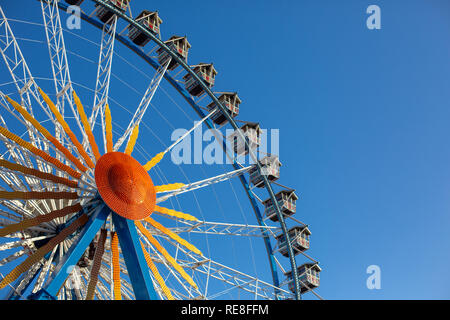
[
  {"x": 94, "y": 224},
  {"x": 134, "y": 258}
]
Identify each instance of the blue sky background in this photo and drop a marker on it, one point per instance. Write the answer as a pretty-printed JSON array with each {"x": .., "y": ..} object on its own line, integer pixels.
[{"x": 363, "y": 118}]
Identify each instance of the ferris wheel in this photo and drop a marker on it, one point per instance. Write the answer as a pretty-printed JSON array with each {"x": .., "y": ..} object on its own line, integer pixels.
[{"x": 86, "y": 210}]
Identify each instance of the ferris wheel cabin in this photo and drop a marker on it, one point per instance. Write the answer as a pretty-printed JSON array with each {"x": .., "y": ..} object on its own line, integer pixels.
[
  {"x": 150, "y": 21},
  {"x": 299, "y": 236},
  {"x": 308, "y": 275},
  {"x": 286, "y": 201},
  {"x": 105, "y": 15},
  {"x": 206, "y": 72},
  {"x": 270, "y": 166},
  {"x": 252, "y": 133},
  {"x": 180, "y": 45},
  {"x": 231, "y": 102}
]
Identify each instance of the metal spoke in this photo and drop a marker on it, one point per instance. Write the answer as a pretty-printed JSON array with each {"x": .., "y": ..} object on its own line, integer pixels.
[
  {"x": 58, "y": 59},
  {"x": 143, "y": 105},
  {"x": 203, "y": 183},
  {"x": 220, "y": 228},
  {"x": 104, "y": 74}
]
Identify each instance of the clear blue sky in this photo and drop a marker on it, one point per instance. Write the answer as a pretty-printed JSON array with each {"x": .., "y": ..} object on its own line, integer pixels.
[{"x": 363, "y": 118}]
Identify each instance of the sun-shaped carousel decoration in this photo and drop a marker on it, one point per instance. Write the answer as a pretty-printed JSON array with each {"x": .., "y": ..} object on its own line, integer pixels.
[{"x": 122, "y": 189}]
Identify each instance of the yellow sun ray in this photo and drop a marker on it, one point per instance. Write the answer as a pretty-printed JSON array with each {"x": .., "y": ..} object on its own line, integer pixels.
[
  {"x": 67, "y": 129},
  {"x": 154, "y": 161},
  {"x": 173, "y": 236},
  {"x": 115, "y": 266},
  {"x": 176, "y": 214},
  {"x": 86, "y": 125},
  {"x": 96, "y": 264},
  {"x": 132, "y": 140},
  {"x": 166, "y": 255},
  {"x": 27, "y": 223},
  {"x": 42, "y": 251},
  {"x": 37, "y": 173},
  {"x": 156, "y": 274},
  {"x": 45, "y": 156},
  {"x": 27, "y": 195},
  {"x": 46, "y": 134},
  {"x": 169, "y": 187},
  {"x": 108, "y": 129}
]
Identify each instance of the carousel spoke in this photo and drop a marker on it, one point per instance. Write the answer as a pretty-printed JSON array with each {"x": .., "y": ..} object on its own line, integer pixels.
[
  {"x": 104, "y": 74},
  {"x": 158, "y": 157},
  {"x": 201, "y": 184},
  {"x": 143, "y": 105}
]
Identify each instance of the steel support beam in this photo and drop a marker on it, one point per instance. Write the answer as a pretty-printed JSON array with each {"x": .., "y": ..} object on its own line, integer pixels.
[
  {"x": 134, "y": 258},
  {"x": 74, "y": 254}
]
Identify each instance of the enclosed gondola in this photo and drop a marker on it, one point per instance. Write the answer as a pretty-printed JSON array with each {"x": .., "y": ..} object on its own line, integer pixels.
[
  {"x": 150, "y": 21},
  {"x": 286, "y": 201},
  {"x": 270, "y": 167},
  {"x": 105, "y": 15},
  {"x": 252, "y": 133},
  {"x": 299, "y": 237},
  {"x": 231, "y": 102},
  {"x": 206, "y": 72},
  {"x": 180, "y": 45},
  {"x": 308, "y": 276}
]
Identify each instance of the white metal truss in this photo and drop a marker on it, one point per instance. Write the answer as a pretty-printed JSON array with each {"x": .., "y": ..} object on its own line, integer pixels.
[
  {"x": 26, "y": 87},
  {"x": 143, "y": 105},
  {"x": 22, "y": 78},
  {"x": 58, "y": 59},
  {"x": 203, "y": 183},
  {"x": 104, "y": 74},
  {"x": 233, "y": 279},
  {"x": 17, "y": 65},
  {"x": 221, "y": 228},
  {"x": 237, "y": 280}
]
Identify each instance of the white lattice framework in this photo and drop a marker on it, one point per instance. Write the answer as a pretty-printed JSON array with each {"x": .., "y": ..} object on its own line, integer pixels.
[{"x": 104, "y": 74}]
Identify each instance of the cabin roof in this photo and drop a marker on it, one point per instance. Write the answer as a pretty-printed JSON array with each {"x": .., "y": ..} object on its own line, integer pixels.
[
  {"x": 127, "y": 2},
  {"x": 289, "y": 192},
  {"x": 314, "y": 266},
  {"x": 148, "y": 13},
  {"x": 199, "y": 66},
  {"x": 269, "y": 159},
  {"x": 251, "y": 125},
  {"x": 238, "y": 100},
  {"x": 234, "y": 94},
  {"x": 305, "y": 229},
  {"x": 178, "y": 38},
  {"x": 203, "y": 64},
  {"x": 301, "y": 228}
]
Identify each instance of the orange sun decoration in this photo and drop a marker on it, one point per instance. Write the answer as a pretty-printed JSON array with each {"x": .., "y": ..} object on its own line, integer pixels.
[
  {"x": 125, "y": 185},
  {"x": 121, "y": 181}
]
